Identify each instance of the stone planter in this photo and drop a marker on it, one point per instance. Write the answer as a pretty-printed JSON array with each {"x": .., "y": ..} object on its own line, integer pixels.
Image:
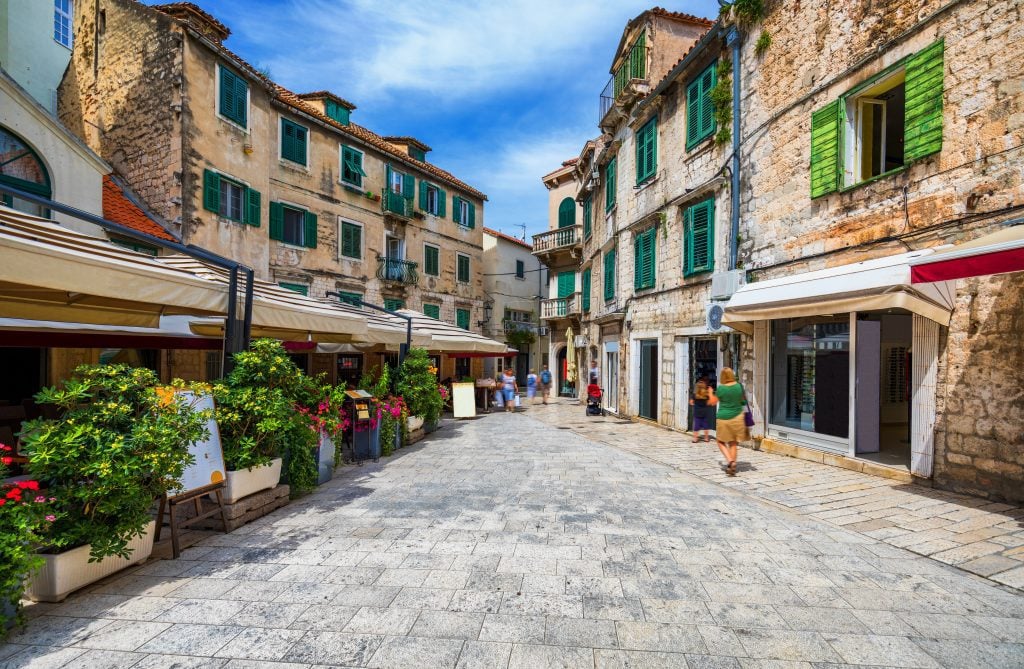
[
  {"x": 325, "y": 453},
  {"x": 245, "y": 482},
  {"x": 430, "y": 427},
  {"x": 414, "y": 423},
  {"x": 63, "y": 573}
]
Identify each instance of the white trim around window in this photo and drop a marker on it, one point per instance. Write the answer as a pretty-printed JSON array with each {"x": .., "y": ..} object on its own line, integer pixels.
[{"x": 342, "y": 222}]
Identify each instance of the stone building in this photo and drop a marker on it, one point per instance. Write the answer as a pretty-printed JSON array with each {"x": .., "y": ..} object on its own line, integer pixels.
[
  {"x": 512, "y": 283},
  {"x": 286, "y": 183}
]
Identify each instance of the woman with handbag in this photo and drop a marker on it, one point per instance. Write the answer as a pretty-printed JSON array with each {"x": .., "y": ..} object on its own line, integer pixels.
[{"x": 731, "y": 419}]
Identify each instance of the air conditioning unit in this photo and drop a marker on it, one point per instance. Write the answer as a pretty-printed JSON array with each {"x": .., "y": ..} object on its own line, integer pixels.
[
  {"x": 580, "y": 341},
  {"x": 724, "y": 284},
  {"x": 713, "y": 316},
  {"x": 542, "y": 331}
]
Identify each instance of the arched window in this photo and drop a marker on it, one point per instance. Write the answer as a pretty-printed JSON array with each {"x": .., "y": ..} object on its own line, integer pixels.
[
  {"x": 21, "y": 168},
  {"x": 567, "y": 213}
]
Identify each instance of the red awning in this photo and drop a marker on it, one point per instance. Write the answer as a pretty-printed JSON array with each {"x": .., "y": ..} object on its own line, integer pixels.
[{"x": 997, "y": 253}]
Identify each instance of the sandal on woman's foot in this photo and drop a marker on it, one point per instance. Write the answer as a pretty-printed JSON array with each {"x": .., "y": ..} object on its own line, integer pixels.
[{"x": 731, "y": 469}]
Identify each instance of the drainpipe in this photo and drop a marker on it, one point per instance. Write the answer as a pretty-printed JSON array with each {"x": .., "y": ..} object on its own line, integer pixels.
[{"x": 732, "y": 39}]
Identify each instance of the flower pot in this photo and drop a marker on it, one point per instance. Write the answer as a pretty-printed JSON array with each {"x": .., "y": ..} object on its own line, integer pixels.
[
  {"x": 63, "y": 573},
  {"x": 430, "y": 427},
  {"x": 325, "y": 458},
  {"x": 414, "y": 423},
  {"x": 245, "y": 482}
]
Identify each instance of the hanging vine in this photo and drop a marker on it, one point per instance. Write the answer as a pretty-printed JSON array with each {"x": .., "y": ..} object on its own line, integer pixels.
[
  {"x": 721, "y": 100},
  {"x": 746, "y": 14}
]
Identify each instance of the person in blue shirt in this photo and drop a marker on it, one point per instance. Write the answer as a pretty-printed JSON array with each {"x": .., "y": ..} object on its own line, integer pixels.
[
  {"x": 531, "y": 385},
  {"x": 545, "y": 383},
  {"x": 509, "y": 389}
]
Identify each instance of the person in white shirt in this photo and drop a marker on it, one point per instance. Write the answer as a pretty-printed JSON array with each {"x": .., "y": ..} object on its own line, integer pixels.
[{"x": 595, "y": 373}]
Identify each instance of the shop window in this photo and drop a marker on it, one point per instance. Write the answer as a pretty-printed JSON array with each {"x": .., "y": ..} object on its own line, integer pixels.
[
  {"x": 21, "y": 168},
  {"x": 462, "y": 368},
  {"x": 350, "y": 369}
]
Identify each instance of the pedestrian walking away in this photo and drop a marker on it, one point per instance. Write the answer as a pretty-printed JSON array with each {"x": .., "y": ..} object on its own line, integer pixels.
[
  {"x": 509, "y": 389},
  {"x": 531, "y": 385},
  {"x": 730, "y": 423},
  {"x": 594, "y": 373},
  {"x": 703, "y": 415},
  {"x": 545, "y": 383}
]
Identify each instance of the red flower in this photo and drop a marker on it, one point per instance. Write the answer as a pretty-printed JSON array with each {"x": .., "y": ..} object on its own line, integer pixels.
[
  {"x": 3, "y": 501},
  {"x": 28, "y": 485},
  {"x": 6, "y": 460},
  {"x": 14, "y": 493}
]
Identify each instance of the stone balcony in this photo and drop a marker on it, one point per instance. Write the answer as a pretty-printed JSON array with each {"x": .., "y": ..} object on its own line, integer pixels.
[{"x": 560, "y": 308}]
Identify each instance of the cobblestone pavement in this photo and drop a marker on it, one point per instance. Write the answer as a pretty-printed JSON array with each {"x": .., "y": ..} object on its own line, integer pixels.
[
  {"x": 985, "y": 538},
  {"x": 505, "y": 542}
]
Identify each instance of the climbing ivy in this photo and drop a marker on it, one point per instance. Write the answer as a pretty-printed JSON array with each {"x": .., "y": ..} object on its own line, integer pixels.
[{"x": 721, "y": 100}]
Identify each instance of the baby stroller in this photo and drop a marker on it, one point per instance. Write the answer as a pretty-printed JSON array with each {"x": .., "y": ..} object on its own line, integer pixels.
[{"x": 594, "y": 407}]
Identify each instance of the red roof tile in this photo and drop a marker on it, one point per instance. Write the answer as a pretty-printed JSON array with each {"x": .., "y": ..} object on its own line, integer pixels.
[
  {"x": 508, "y": 238},
  {"x": 119, "y": 209}
]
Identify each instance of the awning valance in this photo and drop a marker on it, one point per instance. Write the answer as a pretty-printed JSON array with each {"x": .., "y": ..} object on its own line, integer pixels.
[
  {"x": 996, "y": 253},
  {"x": 871, "y": 285},
  {"x": 447, "y": 338}
]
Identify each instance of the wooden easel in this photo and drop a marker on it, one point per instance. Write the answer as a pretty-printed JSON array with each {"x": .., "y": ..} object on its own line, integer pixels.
[{"x": 171, "y": 503}]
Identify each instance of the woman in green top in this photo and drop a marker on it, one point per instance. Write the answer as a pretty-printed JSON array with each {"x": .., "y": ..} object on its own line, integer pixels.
[{"x": 730, "y": 428}]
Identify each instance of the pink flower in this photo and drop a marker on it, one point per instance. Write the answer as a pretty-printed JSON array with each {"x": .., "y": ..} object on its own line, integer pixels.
[
  {"x": 40, "y": 499},
  {"x": 51, "y": 518}
]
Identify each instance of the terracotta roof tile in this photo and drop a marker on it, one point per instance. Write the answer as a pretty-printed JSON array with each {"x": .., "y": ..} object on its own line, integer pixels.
[
  {"x": 119, "y": 209},
  {"x": 181, "y": 10},
  {"x": 405, "y": 139},
  {"x": 681, "y": 16},
  {"x": 508, "y": 238},
  {"x": 565, "y": 163},
  {"x": 319, "y": 95}
]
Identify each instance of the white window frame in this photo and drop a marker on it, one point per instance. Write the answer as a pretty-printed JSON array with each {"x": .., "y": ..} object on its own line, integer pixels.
[
  {"x": 59, "y": 15},
  {"x": 248, "y": 105},
  {"x": 362, "y": 240},
  {"x": 469, "y": 259},
  {"x": 433, "y": 208},
  {"x": 853, "y": 123},
  {"x": 397, "y": 178},
  {"x": 433, "y": 246},
  {"x": 242, "y": 203},
  {"x": 302, "y": 229},
  {"x": 464, "y": 212}
]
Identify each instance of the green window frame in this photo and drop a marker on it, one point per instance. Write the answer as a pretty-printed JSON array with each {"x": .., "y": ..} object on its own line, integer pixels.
[
  {"x": 393, "y": 304},
  {"x": 352, "y": 172},
  {"x": 566, "y": 283},
  {"x": 277, "y": 224},
  {"x": 336, "y": 111},
  {"x": 431, "y": 260},
  {"x": 700, "y": 111},
  {"x": 297, "y": 287},
  {"x": 432, "y": 310},
  {"x": 644, "y": 265},
  {"x": 699, "y": 238},
  {"x": 462, "y": 268},
  {"x": 294, "y": 140},
  {"x": 609, "y": 184},
  {"x": 433, "y": 199},
  {"x": 586, "y": 289},
  {"x": 215, "y": 189},
  {"x": 609, "y": 274},
  {"x": 462, "y": 318},
  {"x": 520, "y": 269},
  {"x": 233, "y": 103},
  {"x": 647, "y": 151},
  {"x": 566, "y": 212},
  {"x": 351, "y": 240},
  {"x": 588, "y": 217},
  {"x": 463, "y": 212},
  {"x": 135, "y": 246},
  {"x": 924, "y": 87},
  {"x": 350, "y": 298}
]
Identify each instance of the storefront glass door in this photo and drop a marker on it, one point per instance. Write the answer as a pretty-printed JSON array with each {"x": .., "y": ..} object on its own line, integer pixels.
[{"x": 649, "y": 378}]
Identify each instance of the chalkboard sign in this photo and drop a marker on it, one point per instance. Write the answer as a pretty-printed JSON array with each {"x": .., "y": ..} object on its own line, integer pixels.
[{"x": 208, "y": 467}]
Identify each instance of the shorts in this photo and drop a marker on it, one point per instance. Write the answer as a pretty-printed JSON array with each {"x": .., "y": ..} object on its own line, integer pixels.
[
  {"x": 731, "y": 429},
  {"x": 531, "y": 391},
  {"x": 508, "y": 394}
]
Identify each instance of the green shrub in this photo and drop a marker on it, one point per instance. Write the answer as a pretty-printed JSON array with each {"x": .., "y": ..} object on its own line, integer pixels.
[{"x": 417, "y": 384}]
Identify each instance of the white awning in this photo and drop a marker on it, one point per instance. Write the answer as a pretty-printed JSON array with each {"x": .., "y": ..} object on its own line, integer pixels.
[
  {"x": 448, "y": 338},
  {"x": 871, "y": 285}
]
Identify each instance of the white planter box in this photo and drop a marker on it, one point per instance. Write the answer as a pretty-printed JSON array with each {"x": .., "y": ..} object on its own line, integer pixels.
[
  {"x": 63, "y": 573},
  {"x": 245, "y": 482},
  {"x": 414, "y": 423}
]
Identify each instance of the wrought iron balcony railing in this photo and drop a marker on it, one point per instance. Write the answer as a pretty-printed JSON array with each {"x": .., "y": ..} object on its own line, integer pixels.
[
  {"x": 516, "y": 326},
  {"x": 397, "y": 271},
  {"x": 553, "y": 240},
  {"x": 560, "y": 307},
  {"x": 632, "y": 69},
  {"x": 396, "y": 203}
]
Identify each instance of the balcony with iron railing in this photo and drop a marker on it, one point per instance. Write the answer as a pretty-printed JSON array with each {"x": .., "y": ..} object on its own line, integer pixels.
[
  {"x": 560, "y": 307},
  {"x": 509, "y": 325},
  {"x": 397, "y": 271},
  {"x": 396, "y": 204},
  {"x": 629, "y": 82},
  {"x": 560, "y": 239}
]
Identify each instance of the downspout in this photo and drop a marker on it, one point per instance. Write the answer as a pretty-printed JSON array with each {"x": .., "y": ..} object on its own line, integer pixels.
[{"x": 732, "y": 39}]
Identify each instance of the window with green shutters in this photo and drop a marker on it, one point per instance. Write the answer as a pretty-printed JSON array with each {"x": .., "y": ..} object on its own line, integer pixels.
[
  {"x": 609, "y": 184},
  {"x": 588, "y": 217},
  {"x": 880, "y": 126},
  {"x": 297, "y": 287},
  {"x": 350, "y": 298},
  {"x": 351, "y": 240},
  {"x": 293, "y": 225},
  {"x": 337, "y": 112},
  {"x": 463, "y": 212},
  {"x": 700, "y": 111},
  {"x": 566, "y": 212},
  {"x": 585, "y": 279},
  {"x": 431, "y": 260},
  {"x": 520, "y": 269},
  {"x": 392, "y": 304},
  {"x": 293, "y": 141},
  {"x": 230, "y": 199},
  {"x": 432, "y": 199},
  {"x": 234, "y": 97},
  {"x": 647, "y": 151},
  {"x": 462, "y": 318},
  {"x": 644, "y": 249},
  {"x": 432, "y": 310},
  {"x": 609, "y": 274},
  {"x": 699, "y": 238},
  {"x": 352, "y": 167},
  {"x": 462, "y": 268},
  {"x": 566, "y": 283}
]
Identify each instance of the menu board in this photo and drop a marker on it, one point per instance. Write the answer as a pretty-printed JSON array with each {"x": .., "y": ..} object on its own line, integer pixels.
[{"x": 208, "y": 467}]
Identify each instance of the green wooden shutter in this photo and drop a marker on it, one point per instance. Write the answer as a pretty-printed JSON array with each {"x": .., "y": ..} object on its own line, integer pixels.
[
  {"x": 387, "y": 178},
  {"x": 699, "y": 240},
  {"x": 825, "y": 149},
  {"x": 211, "y": 191},
  {"x": 408, "y": 186},
  {"x": 441, "y": 197},
  {"x": 309, "y": 236},
  {"x": 252, "y": 207},
  {"x": 432, "y": 310},
  {"x": 692, "y": 113},
  {"x": 391, "y": 304},
  {"x": 609, "y": 274},
  {"x": 472, "y": 215},
  {"x": 463, "y": 269},
  {"x": 643, "y": 259},
  {"x": 924, "y": 87},
  {"x": 430, "y": 261},
  {"x": 457, "y": 209},
  {"x": 227, "y": 93},
  {"x": 609, "y": 184},
  {"x": 586, "y": 289},
  {"x": 351, "y": 240},
  {"x": 707, "y": 108},
  {"x": 566, "y": 212},
  {"x": 276, "y": 221},
  {"x": 350, "y": 298},
  {"x": 423, "y": 195},
  {"x": 588, "y": 216},
  {"x": 566, "y": 283},
  {"x": 462, "y": 318},
  {"x": 241, "y": 101},
  {"x": 646, "y": 151},
  {"x": 297, "y": 287}
]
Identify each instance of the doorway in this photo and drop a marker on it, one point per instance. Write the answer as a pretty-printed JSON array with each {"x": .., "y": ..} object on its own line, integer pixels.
[
  {"x": 648, "y": 378},
  {"x": 611, "y": 376},
  {"x": 883, "y": 388},
  {"x": 522, "y": 367}
]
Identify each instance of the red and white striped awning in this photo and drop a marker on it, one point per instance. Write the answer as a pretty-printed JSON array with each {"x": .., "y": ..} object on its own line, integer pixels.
[{"x": 996, "y": 253}]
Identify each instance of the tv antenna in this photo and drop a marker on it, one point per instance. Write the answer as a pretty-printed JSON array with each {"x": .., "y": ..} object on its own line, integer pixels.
[{"x": 523, "y": 226}]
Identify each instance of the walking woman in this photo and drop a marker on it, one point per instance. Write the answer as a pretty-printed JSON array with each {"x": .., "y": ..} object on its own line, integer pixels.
[
  {"x": 509, "y": 389},
  {"x": 730, "y": 427},
  {"x": 703, "y": 415}
]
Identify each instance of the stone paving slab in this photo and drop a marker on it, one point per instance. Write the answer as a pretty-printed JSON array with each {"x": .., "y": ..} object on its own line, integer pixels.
[
  {"x": 983, "y": 537},
  {"x": 502, "y": 543}
]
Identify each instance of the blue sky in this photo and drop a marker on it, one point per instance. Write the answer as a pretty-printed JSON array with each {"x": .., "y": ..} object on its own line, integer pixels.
[{"x": 503, "y": 90}]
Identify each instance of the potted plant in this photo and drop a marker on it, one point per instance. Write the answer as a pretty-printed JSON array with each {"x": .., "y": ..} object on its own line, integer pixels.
[
  {"x": 417, "y": 384},
  {"x": 119, "y": 445},
  {"x": 25, "y": 513}
]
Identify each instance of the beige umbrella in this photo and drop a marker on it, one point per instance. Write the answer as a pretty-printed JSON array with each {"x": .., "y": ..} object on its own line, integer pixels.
[{"x": 570, "y": 356}]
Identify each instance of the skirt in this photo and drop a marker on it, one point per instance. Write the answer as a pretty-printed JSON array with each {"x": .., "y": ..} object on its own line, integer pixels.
[
  {"x": 701, "y": 421},
  {"x": 731, "y": 429}
]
